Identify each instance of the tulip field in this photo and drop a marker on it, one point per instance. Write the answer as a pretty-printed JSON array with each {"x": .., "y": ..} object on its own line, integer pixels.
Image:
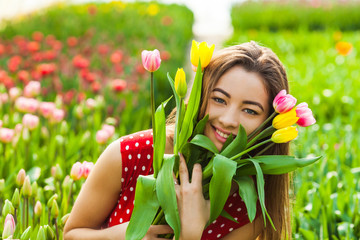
[{"x": 72, "y": 81}]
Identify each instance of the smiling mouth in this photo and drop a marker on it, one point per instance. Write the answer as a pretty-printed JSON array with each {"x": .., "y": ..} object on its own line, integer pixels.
[{"x": 223, "y": 135}]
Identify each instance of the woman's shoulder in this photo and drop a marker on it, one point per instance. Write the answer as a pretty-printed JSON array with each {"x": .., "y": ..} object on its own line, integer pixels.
[{"x": 138, "y": 140}]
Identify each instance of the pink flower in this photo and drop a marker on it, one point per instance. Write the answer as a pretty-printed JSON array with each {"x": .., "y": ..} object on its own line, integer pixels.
[
  {"x": 102, "y": 136},
  {"x": 6, "y": 135},
  {"x": 109, "y": 128},
  {"x": 90, "y": 103},
  {"x": 118, "y": 85},
  {"x": 77, "y": 171},
  {"x": 87, "y": 166},
  {"x": 57, "y": 115},
  {"x": 14, "y": 93},
  {"x": 9, "y": 226},
  {"x": 283, "y": 102},
  {"x": 151, "y": 60},
  {"x": 32, "y": 89},
  {"x": 4, "y": 97},
  {"x": 30, "y": 121},
  {"x": 305, "y": 115},
  {"x": 29, "y": 105},
  {"x": 47, "y": 108},
  {"x": 18, "y": 128},
  {"x": 1, "y": 123}
]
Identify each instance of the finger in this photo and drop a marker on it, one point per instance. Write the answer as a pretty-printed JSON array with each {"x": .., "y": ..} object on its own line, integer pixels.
[
  {"x": 161, "y": 229},
  {"x": 197, "y": 175},
  {"x": 183, "y": 171}
]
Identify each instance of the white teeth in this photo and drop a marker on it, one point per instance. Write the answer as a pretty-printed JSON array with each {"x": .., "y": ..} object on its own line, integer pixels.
[{"x": 222, "y": 134}]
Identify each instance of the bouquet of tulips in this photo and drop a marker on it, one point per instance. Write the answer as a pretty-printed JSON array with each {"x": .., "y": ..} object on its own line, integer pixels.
[{"x": 155, "y": 197}]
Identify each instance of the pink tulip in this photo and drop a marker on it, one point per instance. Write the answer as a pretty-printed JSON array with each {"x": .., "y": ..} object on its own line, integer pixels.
[
  {"x": 18, "y": 128},
  {"x": 109, "y": 128},
  {"x": 57, "y": 115},
  {"x": 90, "y": 103},
  {"x": 30, "y": 121},
  {"x": 14, "y": 93},
  {"x": 77, "y": 171},
  {"x": 1, "y": 123},
  {"x": 283, "y": 102},
  {"x": 4, "y": 97},
  {"x": 151, "y": 60},
  {"x": 102, "y": 136},
  {"x": 9, "y": 226},
  {"x": 29, "y": 105},
  {"x": 305, "y": 115},
  {"x": 47, "y": 108},
  {"x": 6, "y": 135},
  {"x": 32, "y": 89},
  {"x": 87, "y": 166}
]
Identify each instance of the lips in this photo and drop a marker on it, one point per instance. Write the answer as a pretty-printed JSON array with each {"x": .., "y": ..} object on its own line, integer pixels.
[{"x": 221, "y": 135}]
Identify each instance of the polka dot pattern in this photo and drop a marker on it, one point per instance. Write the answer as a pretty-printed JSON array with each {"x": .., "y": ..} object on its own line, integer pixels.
[{"x": 136, "y": 152}]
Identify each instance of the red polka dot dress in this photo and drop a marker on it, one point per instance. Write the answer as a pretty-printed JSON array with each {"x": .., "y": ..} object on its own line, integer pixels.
[{"x": 136, "y": 152}]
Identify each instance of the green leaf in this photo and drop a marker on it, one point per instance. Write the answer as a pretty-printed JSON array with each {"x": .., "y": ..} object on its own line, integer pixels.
[
  {"x": 160, "y": 141},
  {"x": 220, "y": 184},
  {"x": 227, "y": 142},
  {"x": 225, "y": 214},
  {"x": 275, "y": 164},
  {"x": 145, "y": 208},
  {"x": 200, "y": 126},
  {"x": 26, "y": 234},
  {"x": 166, "y": 194},
  {"x": 238, "y": 145},
  {"x": 192, "y": 109},
  {"x": 248, "y": 194},
  {"x": 261, "y": 192},
  {"x": 204, "y": 142}
]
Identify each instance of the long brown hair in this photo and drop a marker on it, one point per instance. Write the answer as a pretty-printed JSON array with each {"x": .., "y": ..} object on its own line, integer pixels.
[{"x": 261, "y": 60}]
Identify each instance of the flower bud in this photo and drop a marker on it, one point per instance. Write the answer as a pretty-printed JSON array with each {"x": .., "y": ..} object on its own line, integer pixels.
[
  {"x": 180, "y": 83},
  {"x": 38, "y": 209},
  {"x": 57, "y": 172},
  {"x": 64, "y": 219},
  {"x": 50, "y": 234},
  {"x": 30, "y": 121},
  {"x": 41, "y": 234},
  {"x": 26, "y": 189},
  {"x": 305, "y": 115},
  {"x": 201, "y": 51},
  {"x": 26, "y": 234},
  {"x": 284, "y": 135},
  {"x": 284, "y": 120},
  {"x": 283, "y": 102},
  {"x": 16, "y": 198},
  {"x": 6, "y": 135},
  {"x": 44, "y": 132},
  {"x": 87, "y": 166},
  {"x": 2, "y": 185},
  {"x": 34, "y": 188},
  {"x": 54, "y": 209},
  {"x": 102, "y": 136},
  {"x": 53, "y": 197},
  {"x": 64, "y": 128},
  {"x": 20, "y": 177},
  {"x": 151, "y": 60},
  {"x": 110, "y": 129},
  {"x": 8, "y": 208},
  {"x": 9, "y": 226},
  {"x": 77, "y": 171}
]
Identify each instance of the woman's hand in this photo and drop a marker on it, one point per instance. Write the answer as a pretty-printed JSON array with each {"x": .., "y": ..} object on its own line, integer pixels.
[
  {"x": 194, "y": 210},
  {"x": 156, "y": 230}
]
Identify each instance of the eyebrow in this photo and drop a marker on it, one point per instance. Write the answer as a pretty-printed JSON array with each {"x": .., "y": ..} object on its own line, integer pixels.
[{"x": 245, "y": 102}]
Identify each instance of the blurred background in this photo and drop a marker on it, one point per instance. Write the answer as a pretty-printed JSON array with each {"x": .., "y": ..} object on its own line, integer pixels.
[{"x": 72, "y": 81}]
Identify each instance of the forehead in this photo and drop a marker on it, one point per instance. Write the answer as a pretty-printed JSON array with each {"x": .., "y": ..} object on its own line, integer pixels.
[{"x": 244, "y": 85}]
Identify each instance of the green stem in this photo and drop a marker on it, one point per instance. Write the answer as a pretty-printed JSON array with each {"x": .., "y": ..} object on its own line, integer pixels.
[
  {"x": 249, "y": 149},
  {"x": 158, "y": 217},
  {"x": 265, "y": 149},
  {"x": 252, "y": 141},
  {"x": 57, "y": 229},
  {"x": 152, "y": 105},
  {"x": 27, "y": 212},
  {"x": 68, "y": 200},
  {"x": 177, "y": 129},
  {"x": 262, "y": 125},
  {"x": 208, "y": 169}
]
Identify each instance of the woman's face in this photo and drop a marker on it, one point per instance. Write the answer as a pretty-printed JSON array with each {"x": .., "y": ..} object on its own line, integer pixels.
[{"x": 239, "y": 97}]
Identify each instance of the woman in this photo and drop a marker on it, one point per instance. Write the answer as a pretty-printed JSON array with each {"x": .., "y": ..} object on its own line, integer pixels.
[{"x": 239, "y": 86}]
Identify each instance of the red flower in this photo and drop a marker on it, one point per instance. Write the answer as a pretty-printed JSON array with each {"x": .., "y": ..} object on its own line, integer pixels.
[
  {"x": 92, "y": 9},
  {"x": 50, "y": 39},
  {"x": 14, "y": 63},
  {"x": 103, "y": 49},
  {"x": 95, "y": 86},
  {"x": 72, "y": 41},
  {"x": 23, "y": 76},
  {"x": 37, "y": 57},
  {"x": 165, "y": 55},
  {"x": 80, "y": 62},
  {"x": 140, "y": 69},
  {"x": 2, "y": 49},
  {"x": 90, "y": 77},
  {"x": 46, "y": 68},
  {"x": 57, "y": 45},
  {"x": 33, "y": 46},
  {"x": 81, "y": 96},
  {"x": 118, "y": 85},
  {"x": 116, "y": 57},
  {"x": 37, "y": 36},
  {"x": 49, "y": 55},
  {"x": 118, "y": 68},
  {"x": 35, "y": 75}
]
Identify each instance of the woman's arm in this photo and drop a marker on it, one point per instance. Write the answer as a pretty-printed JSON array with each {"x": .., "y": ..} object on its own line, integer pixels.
[
  {"x": 98, "y": 196},
  {"x": 249, "y": 231},
  {"x": 96, "y": 200}
]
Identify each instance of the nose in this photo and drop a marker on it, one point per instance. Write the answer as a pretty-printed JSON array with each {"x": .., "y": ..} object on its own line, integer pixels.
[{"x": 229, "y": 118}]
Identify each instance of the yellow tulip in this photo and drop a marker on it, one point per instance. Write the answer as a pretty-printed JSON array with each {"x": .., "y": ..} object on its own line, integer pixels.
[
  {"x": 201, "y": 51},
  {"x": 285, "y": 119},
  {"x": 180, "y": 83},
  {"x": 284, "y": 135}
]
